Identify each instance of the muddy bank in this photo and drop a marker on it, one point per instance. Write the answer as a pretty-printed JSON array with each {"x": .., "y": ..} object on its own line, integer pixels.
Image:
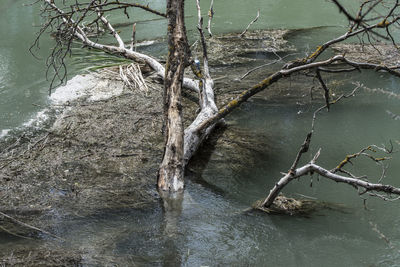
[
  {"x": 88, "y": 156},
  {"x": 98, "y": 157}
]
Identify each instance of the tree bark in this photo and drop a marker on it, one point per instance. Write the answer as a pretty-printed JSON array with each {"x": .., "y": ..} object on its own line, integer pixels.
[
  {"x": 208, "y": 108},
  {"x": 171, "y": 173}
]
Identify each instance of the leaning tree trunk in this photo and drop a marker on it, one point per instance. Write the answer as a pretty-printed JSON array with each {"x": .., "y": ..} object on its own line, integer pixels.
[{"x": 171, "y": 173}]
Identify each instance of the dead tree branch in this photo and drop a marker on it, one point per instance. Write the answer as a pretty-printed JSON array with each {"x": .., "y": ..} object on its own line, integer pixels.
[
  {"x": 273, "y": 78},
  {"x": 133, "y": 39},
  {"x": 193, "y": 137},
  {"x": 267, "y": 64},
  {"x": 210, "y": 17},
  {"x": 115, "y": 5},
  {"x": 350, "y": 33},
  {"x": 251, "y": 23},
  {"x": 326, "y": 90},
  {"x": 311, "y": 168}
]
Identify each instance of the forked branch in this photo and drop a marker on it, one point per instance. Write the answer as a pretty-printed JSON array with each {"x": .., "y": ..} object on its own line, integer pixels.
[{"x": 251, "y": 23}]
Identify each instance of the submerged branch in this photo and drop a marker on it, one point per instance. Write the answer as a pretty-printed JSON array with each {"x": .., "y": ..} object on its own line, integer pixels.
[{"x": 29, "y": 226}]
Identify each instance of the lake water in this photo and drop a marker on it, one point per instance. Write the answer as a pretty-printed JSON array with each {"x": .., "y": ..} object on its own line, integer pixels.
[{"x": 210, "y": 231}]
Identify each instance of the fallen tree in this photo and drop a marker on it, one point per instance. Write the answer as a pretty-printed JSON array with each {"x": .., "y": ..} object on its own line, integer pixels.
[{"x": 181, "y": 144}]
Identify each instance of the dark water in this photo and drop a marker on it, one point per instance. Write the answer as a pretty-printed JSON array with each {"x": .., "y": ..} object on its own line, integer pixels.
[{"x": 210, "y": 229}]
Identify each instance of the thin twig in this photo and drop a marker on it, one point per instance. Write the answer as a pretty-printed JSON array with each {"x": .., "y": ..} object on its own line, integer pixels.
[
  {"x": 248, "y": 26},
  {"x": 133, "y": 36},
  {"x": 210, "y": 17},
  {"x": 267, "y": 64}
]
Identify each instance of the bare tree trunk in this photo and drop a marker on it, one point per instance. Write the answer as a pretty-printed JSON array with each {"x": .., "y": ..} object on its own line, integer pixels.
[{"x": 170, "y": 176}]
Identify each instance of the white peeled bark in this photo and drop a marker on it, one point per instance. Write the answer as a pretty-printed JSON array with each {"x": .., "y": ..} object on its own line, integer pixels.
[
  {"x": 194, "y": 138},
  {"x": 312, "y": 167}
]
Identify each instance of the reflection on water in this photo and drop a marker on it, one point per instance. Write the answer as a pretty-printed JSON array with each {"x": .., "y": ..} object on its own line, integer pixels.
[{"x": 209, "y": 228}]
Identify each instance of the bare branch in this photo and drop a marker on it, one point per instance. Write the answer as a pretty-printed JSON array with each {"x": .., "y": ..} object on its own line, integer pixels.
[
  {"x": 133, "y": 36},
  {"x": 236, "y": 102},
  {"x": 347, "y": 35},
  {"x": 311, "y": 167},
  {"x": 118, "y": 5},
  {"x": 326, "y": 90},
  {"x": 337, "y": 70},
  {"x": 194, "y": 138},
  {"x": 251, "y": 23},
  {"x": 356, "y": 155},
  {"x": 306, "y": 144},
  {"x": 210, "y": 17},
  {"x": 264, "y": 65},
  {"x": 111, "y": 28},
  {"x": 344, "y": 11}
]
